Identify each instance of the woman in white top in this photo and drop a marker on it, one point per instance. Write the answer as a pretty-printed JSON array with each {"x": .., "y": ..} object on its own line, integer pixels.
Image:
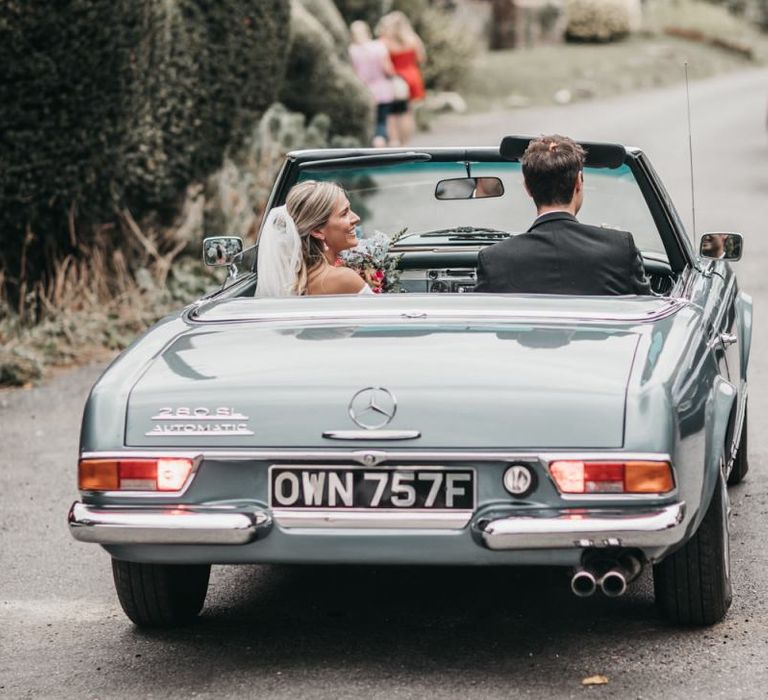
[{"x": 301, "y": 240}]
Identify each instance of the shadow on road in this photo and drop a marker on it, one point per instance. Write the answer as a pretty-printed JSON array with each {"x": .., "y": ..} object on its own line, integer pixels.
[{"x": 381, "y": 621}]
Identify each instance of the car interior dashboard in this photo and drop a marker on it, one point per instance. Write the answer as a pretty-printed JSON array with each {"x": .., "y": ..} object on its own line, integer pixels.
[{"x": 457, "y": 272}]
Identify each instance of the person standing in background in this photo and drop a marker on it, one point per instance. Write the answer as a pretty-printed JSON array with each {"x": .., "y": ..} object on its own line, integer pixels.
[
  {"x": 406, "y": 50},
  {"x": 370, "y": 59}
]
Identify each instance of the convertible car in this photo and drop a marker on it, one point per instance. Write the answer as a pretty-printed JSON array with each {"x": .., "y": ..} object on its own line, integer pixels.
[{"x": 434, "y": 425}]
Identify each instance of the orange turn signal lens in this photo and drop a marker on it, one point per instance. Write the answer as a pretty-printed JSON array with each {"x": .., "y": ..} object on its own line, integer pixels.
[
  {"x": 648, "y": 477},
  {"x": 575, "y": 476},
  {"x": 97, "y": 475},
  {"x": 163, "y": 474}
]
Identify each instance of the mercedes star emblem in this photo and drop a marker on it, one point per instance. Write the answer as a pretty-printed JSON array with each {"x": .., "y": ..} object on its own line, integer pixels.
[{"x": 372, "y": 407}]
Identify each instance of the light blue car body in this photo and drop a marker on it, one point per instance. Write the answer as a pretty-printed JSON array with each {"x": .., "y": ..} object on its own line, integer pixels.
[{"x": 481, "y": 382}]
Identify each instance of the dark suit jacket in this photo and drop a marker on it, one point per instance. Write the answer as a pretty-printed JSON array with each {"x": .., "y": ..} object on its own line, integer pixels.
[{"x": 559, "y": 255}]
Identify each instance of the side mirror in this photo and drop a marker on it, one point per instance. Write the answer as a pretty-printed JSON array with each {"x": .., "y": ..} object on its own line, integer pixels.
[
  {"x": 721, "y": 246},
  {"x": 469, "y": 188},
  {"x": 219, "y": 251}
]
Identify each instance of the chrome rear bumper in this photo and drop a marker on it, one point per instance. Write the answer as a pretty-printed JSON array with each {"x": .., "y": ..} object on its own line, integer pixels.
[
  {"x": 166, "y": 525},
  {"x": 531, "y": 530},
  {"x": 585, "y": 528}
]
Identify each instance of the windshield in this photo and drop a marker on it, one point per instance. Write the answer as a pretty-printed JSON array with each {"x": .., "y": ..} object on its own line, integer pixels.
[{"x": 396, "y": 197}]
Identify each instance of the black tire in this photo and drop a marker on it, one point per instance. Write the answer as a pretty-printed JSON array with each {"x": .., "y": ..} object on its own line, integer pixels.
[
  {"x": 740, "y": 465},
  {"x": 160, "y": 595},
  {"x": 693, "y": 585}
]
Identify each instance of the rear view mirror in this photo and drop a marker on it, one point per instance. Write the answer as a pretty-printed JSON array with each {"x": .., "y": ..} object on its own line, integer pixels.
[
  {"x": 221, "y": 250},
  {"x": 721, "y": 246},
  {"x": 469, "y": 188}
]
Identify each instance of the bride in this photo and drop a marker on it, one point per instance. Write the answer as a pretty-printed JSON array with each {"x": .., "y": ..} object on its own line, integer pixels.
[{"x": 301, "y": 240}]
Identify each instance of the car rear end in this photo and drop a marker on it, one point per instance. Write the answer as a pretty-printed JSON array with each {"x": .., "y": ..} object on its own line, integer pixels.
[{"x": 455, "y": 436}]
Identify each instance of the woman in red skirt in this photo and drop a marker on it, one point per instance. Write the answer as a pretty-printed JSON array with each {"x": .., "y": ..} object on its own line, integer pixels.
[{"x": 406, "y": 51}]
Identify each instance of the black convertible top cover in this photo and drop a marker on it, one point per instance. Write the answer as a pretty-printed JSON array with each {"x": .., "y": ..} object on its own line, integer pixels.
[{"x": 599, "y": 155}]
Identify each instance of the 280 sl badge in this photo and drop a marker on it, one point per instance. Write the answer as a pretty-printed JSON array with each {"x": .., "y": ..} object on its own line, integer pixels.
[{"x": 199, "y": 420}]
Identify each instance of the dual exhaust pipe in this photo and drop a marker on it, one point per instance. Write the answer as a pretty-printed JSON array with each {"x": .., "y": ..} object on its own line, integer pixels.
[{"x": 611, "y": 576}]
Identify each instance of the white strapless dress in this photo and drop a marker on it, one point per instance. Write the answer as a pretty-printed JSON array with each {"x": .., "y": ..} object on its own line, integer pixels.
[{"x": 366, "y": 290}]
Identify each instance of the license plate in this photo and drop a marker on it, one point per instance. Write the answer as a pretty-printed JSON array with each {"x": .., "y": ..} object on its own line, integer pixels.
[{"x": 394, "y": 489}]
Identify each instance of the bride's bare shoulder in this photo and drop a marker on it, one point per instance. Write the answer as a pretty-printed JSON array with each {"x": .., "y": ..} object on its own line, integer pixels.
[
  {"x": 344, "y": 281},
  {"x": 335, "y": 280}
]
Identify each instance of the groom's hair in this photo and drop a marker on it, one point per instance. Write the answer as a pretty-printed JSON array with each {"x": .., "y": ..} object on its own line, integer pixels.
[{"x": 551, "y": 165}]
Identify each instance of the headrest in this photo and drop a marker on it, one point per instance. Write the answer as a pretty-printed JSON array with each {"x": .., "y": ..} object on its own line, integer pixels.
[{"x": 599, "y": 155}]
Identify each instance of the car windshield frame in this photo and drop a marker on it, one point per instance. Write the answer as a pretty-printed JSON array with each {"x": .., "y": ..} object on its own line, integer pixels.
[{"x": 671, "y": 240}]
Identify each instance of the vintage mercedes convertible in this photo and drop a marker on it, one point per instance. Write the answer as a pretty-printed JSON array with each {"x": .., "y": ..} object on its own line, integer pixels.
[{"x": 434, "y": 425}]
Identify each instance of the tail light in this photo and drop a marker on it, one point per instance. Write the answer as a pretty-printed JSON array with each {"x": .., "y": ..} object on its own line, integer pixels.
[
  {"x": 161, "y": 474},
  {"x": 573, "y": 476}
]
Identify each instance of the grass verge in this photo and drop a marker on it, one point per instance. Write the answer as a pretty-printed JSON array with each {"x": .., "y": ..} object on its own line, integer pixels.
[{"x": 94, "y": 329}]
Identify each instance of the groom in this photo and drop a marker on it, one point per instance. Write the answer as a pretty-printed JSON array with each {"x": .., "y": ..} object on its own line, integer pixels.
[{"x": 558, "y": 254}]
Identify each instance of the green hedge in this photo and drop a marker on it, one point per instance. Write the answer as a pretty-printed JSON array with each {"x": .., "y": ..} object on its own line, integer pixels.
[
  {"x": 203, "y": 74},
  {"x": 318, "y": 81},
  {"x": 112, "y": 103}
]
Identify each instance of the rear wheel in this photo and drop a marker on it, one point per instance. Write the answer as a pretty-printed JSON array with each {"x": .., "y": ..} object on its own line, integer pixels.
[
  {"x": 693, "y": 585},
  {"x": 740, "y": 465},
  {"x": 160, "y": 595}
]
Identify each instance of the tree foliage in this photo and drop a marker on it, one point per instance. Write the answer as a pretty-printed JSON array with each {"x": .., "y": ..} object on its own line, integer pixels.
[{"x": 108, "y": 105}]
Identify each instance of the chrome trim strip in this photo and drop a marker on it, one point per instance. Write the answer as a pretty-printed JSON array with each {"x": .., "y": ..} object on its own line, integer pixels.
[
  {"x": 371, "y": 519},
  {"x": 606, "y": 456},
  {"x": 371, "y": 434},
  {"x": 359, "y": 455},
  {"x": 670, "y": 307},
  {"x": 741, "y": 408},
  {"x": 724, "y": 306},
  {"x": 173, "y": 525},
  {"x": 583, "y": 528}
]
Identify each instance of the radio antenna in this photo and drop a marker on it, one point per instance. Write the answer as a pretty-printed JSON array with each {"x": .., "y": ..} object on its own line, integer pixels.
[{"x": 690, "y": 149}]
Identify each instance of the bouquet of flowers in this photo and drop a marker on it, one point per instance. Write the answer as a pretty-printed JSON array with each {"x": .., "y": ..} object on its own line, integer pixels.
[{"x": 372, "y": 261}]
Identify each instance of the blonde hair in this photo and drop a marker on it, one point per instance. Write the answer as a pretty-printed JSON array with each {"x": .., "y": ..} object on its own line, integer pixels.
[
  {"x": 360, "y": 32},
  {"x": 399, "y": 27},
  {"x": 310, "y": 205}
]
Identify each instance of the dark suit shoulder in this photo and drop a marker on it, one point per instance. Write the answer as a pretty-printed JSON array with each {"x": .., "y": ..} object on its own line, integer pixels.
[
  {"x": 502, "y": 247},
  {"x": 601, "y": 230}
]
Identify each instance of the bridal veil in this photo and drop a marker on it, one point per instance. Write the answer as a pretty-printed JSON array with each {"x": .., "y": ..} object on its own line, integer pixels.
[{"x": 279, "y": 257}]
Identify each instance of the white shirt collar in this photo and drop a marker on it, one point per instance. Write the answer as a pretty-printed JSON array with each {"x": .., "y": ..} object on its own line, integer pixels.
[{"x": 552, "y": 211}]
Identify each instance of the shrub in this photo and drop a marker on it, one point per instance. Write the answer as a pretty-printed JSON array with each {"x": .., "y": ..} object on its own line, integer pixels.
[
  {"x": 325, "y": 12},
  {"x": 108, "y": 106},
  {"x": 450, "y": 51},
  {"x": 367, "y": 10},
  {"x": 318, "y": 81},
  {"x": 237, "y": 193},
  {"x": 62, "y": 89},
  {"x": 598, "y": 20},
  {"x": 413, "y": 9},
  {"x": 203, "y": 74}
]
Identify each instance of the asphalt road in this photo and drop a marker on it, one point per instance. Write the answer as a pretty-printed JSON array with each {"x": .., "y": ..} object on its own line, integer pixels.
[{"x": 272, "y": 631}]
